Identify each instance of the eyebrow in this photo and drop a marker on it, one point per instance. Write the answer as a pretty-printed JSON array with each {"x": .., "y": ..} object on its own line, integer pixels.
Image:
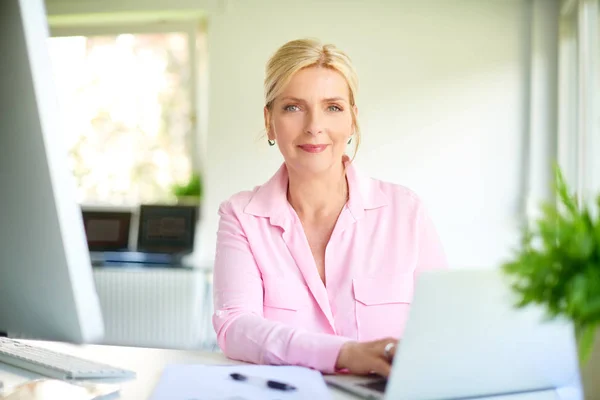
[{"x": 327, "y": 100}]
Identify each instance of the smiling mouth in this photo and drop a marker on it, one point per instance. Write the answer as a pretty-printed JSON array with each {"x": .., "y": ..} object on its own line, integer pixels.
[{"x": 313, "y": 148}]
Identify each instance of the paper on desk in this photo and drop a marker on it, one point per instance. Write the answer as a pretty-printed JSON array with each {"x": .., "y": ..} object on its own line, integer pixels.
[{"x": 195, "y": 382}]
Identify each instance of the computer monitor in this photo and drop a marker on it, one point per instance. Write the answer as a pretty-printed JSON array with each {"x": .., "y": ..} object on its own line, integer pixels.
[
  {"x": 46, "y": 283},
  {"x": 166, "y": 228},
  {"x": 107, "y": 230}
]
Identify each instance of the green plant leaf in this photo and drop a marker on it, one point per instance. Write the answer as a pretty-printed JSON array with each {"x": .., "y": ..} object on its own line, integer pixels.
[
  {"x": 570, "y": 202},
  {"x": 557, "y": 264},
  {"x": 193, "y": 187}
]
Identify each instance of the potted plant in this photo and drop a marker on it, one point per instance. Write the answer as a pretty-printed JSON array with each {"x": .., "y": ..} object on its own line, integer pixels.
[
  {"x": 189, "y": 193},
  {"x": 557, "y": 266}
]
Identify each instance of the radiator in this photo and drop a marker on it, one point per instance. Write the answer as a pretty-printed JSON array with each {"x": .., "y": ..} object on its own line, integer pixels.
[{"x": 156, "y": 307}]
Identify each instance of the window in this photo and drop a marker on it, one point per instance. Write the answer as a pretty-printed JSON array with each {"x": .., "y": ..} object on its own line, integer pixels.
[
  {"x": 579, "y": 95},
  {"x": 129, "y": 105}
]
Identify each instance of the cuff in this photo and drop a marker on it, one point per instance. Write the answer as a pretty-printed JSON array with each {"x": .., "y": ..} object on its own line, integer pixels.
[{"x": 324, "y": 352}]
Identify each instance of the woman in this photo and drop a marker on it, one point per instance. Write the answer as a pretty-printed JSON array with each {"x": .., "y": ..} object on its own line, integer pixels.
[{"x": 317, "y": 266}]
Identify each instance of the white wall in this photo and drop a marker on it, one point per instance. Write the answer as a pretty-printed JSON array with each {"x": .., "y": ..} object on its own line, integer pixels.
[
  {"x": 445, "y": 100},
  {"x": 442, "y": 105},
  {"x": 88, "y": 7}
]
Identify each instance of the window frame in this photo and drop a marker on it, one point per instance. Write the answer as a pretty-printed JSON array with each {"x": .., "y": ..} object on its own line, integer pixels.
[{"x": 579, "y": 96}]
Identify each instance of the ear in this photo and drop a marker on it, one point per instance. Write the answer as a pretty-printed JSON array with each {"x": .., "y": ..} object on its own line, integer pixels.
[
  {"x": 355, "y": 109},
  {"x": 267, "y": 115}
]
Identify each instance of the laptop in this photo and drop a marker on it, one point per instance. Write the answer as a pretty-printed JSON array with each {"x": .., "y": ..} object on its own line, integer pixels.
[{"x": 465, "y": 339}]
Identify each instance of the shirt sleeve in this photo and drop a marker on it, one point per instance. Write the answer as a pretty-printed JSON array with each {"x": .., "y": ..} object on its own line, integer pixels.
[
  {"x": 242, "y": 331},
  {"x": 431, "y": 252}
]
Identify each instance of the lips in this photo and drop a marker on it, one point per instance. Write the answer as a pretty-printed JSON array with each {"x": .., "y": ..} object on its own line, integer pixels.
[{"x": 313, "y": 148}]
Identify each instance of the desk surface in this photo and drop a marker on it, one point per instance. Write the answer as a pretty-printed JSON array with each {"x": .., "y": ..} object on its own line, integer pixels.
[{"x": 149, "y": 364}]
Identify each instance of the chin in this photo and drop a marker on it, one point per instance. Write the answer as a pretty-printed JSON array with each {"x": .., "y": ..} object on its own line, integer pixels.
[{"x": 313, "y": 165}]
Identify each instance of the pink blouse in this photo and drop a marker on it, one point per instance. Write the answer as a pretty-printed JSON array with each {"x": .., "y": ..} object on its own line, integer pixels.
[{"x": 271, "y": 306}]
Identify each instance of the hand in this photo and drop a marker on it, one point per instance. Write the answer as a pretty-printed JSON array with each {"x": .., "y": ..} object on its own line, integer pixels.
[{"x": 366, "y": 357}]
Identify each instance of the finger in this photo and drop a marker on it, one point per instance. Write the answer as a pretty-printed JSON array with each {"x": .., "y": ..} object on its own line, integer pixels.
[
  {"x": 381, "y": 367},
  {"x": 381, "y": 346},
  {"x": 385, "y": 341},
  {"x": 393, "y": 352}
]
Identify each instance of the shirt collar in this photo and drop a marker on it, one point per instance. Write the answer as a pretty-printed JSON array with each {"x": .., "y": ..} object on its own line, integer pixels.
[{"x": 270, "y": 199}]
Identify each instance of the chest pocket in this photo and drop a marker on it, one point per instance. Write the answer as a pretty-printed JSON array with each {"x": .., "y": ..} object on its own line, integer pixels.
[
  {"x": 283, "y": 299},
  {"x": 382, "y": 305}
]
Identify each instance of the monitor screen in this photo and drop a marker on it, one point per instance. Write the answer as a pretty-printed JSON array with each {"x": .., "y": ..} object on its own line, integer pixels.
[
  {"x": 47, "y": 287},
  {"x": 107, "y": 230},
  {"x": 167, "y": 229}
]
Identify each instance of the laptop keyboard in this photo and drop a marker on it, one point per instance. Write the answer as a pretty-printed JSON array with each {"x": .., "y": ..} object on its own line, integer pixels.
[{"x": 377, "y": 385}]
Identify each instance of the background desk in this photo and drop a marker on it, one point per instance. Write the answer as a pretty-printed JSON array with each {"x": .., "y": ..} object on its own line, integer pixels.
[{"x": 149, "y": 364}]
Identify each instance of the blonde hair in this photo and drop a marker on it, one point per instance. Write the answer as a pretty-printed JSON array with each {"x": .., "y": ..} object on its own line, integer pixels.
[{"x": 304, "y": 53}]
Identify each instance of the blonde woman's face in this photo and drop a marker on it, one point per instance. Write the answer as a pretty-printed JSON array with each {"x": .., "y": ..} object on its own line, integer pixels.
[{"x": 311, "y": 121}]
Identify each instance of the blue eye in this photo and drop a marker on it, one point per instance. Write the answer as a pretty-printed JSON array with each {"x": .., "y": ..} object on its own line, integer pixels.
[
  {"x": 291, "y": 108},
  {"x": 334, "y": 108}
]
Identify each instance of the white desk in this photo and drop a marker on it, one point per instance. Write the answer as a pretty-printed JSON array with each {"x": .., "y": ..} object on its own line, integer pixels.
[{"x": 149, "y": 363}]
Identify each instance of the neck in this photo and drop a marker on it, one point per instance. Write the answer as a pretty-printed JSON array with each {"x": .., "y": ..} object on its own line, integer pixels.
[{"x": 318, "y": 196}]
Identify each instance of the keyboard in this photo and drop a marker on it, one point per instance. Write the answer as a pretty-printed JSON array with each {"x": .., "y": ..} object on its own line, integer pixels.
[
  {"x": 378, "y": 385},
  {"x": 55, "y": 365}
]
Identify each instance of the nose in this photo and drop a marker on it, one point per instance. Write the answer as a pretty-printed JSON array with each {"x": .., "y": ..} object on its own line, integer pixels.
[{"x": 314, "y": 122}]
